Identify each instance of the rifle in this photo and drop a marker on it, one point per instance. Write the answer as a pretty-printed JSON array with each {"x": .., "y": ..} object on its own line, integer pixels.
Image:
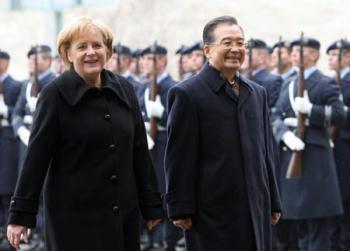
[
  {"x": 34, "y": 75},
  {"x": 295, "y": 165},
  {"x": 118, "y": 51},
  {"x": 154, "y": 91},
  {"x": 279, "y": 63},
  {"x": 181, "y": 68},
  {"x": 333, "y": 129},
  {"x": 137, "y": 63},
  {"x": 1, "y": 94},
  {"x": 250, "y": 59}
]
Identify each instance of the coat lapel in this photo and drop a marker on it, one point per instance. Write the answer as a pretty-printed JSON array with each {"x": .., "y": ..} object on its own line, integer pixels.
[{"x": 73, "y": 88}]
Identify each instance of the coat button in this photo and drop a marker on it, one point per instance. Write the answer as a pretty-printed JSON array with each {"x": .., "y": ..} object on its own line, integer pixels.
[
  {"x": 113, "y": 178},
  {"x": 13, "y": 202},
  {"x": 107, "y": 117},
  {"x": 112, "y": 147},
  {"x": 116, "y": 209},
  {"x": 284, "y": 148}
]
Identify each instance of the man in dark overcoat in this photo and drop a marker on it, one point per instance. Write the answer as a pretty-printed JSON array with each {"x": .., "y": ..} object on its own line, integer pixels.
[
  {"x": 342, "y": 140},
  {"x": 314, "y": 199},
  {"x": 9, "y": 91},
  {"x": 221, "y": 185}
]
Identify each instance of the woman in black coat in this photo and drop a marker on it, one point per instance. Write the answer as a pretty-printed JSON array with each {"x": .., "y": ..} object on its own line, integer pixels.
[{"x": 88, "y": 140}]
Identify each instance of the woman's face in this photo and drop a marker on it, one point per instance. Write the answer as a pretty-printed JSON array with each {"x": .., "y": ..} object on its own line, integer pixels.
[{"x": 88, "y": 54}]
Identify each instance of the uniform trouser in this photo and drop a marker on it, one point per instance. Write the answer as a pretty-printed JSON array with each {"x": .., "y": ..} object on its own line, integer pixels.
[
  {"x": 4, "y": 209},
  {"x": 315, "y": 234},
  {"x": 341, "y": 234}
]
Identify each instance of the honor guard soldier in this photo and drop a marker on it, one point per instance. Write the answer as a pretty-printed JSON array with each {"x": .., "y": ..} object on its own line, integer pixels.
[
  {"x": 9, "y": 91},
  {"x": 282, "y": 61},
  {"x": 39, "y": 63},
  {"x": 120, "y": 63},
  {"x": 184, "y": 62},
  {"x": 339, "y": 61},
  {"x": 260, "y": 73},
  {"x": 155, "y": 69},
  {"x": 313, "y": 199},
  {"x": 197, "y": 57},
  {"x": 285, "y": 236}
]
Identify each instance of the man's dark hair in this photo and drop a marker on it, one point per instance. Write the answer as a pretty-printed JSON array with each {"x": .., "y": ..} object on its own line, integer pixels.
[{"x": 209, "y": 28}]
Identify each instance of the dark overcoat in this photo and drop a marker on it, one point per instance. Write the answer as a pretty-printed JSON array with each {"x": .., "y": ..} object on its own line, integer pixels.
[
  {"x": 8, "y": 141},
  {"x": 342, "y": 145},
  {"x": 272, "y": 84},
  {"x": 219, "y": 163},
  {"x": 91, "y": 144},
  {"x": 316, "y": 194}
]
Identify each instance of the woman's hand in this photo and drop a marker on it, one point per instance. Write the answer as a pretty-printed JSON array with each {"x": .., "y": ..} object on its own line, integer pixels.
[
  {"x": 14, "y": 233},
  {"x": 152, "y": 223},
  {"x": 184, "y": 224}
]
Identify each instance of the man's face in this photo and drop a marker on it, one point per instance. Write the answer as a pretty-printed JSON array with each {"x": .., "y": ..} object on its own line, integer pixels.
[
  {"x": 148, "y": 63},
  {"x": 197, "y": 58},
  {"x": 124, "y": 63},
  {"x": 227, "y": 51},
  {"x": 285, "y": 57},
  {"x": 3, "y": 65},
  {"x": 43, "y": 63},
  {"x": 310, "y": 56},
  {"x": 333, "y": 57},
  {"x": 186, "y": 63}
]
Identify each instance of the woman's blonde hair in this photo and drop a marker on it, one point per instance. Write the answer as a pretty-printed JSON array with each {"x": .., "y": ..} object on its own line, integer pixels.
[{"x": 77, "y": 27}]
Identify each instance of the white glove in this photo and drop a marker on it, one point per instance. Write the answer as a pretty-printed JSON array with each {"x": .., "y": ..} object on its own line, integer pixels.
[
  {"x": 154, "y": 108},
  {"x": 32, "y": 103},
  {"x": 3, "y": 107},
  {"x": 303, "y": 105},
  {"x": 150, "y": 142},
  {"x": 23, "y": 134},
  {"x": 291, "y": 122},
  {"x": 148, "y": 126},
  {"x": 292, "y": 141}
]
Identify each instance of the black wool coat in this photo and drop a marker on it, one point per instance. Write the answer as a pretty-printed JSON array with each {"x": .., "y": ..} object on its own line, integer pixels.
[
  {"x": 90, "y": 144},
  {"x": 219, "y": 163}
]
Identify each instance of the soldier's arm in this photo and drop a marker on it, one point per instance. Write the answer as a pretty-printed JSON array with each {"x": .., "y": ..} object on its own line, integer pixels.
[
  {"x": 330, "y": 114},
  {"x": 19, "y": 109}
]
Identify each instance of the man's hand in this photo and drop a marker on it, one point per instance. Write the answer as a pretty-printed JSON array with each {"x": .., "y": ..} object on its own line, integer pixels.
[
  {"x": 152, "y": 223},
  {"x": 14, "y": 234},
  {"x": 184, "y": 224},
  {"x": 275, "y": 217}
]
